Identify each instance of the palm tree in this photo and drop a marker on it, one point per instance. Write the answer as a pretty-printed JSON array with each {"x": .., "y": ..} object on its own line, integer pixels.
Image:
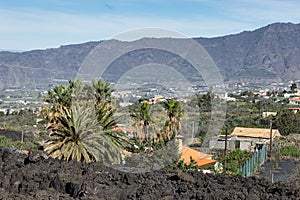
[
  {"x": 174, "y": 112},
  {"x": 77, "y": 135},
  {"x": 103, "y": 91},
  {"x": 140, "y": 112},
  {"x": 80, "y": 120},
  {"x": 61, "y": 95},
  {"x": 164, "y": 150}
]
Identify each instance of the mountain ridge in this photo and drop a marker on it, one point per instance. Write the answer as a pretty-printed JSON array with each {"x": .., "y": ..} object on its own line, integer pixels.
[{"x": 271, "y": 52}]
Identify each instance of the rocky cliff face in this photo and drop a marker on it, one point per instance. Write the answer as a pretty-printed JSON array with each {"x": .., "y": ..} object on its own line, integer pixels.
[
  {"x": 271, "y": 52},
  {"x": 268, "y": 53}
]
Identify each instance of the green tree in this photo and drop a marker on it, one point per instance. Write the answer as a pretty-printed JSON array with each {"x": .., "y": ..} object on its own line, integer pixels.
[
  {"x": 293, "y": 88},
  {"x": 61, "y": 95},
  {"x": 152, "y": 152},
  {"x": 287, "y": 122},
  {"x": 234, "y": 160},
  {"x": 80, "y": 120},
  {"x": 104, "y": 109},
  {"x": 174, "y": 112},
  {"x": 204, "y": 101},
  {"x": 77, "y": 135},
  {"x": 140, "y": 112}
]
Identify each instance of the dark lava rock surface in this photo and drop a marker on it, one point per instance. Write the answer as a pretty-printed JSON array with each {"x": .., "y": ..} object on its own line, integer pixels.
[{"x": 34, "y": 176}]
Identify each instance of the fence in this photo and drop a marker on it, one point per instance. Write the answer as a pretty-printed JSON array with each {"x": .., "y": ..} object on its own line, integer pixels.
[{"x": 253, "y": 164}]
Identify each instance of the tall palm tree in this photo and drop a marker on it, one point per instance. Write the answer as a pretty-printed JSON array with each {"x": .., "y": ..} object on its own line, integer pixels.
[
  {"x": 76, "y": 116},
  {"x": 102, "y": 95},
  {"x": 60, "y": 95},
  {"x": 174, "y": 112},
  {"x": 78, "y": 135},
  {"x": 140, "y": 112},
  {"x": 103, "y": 90}
]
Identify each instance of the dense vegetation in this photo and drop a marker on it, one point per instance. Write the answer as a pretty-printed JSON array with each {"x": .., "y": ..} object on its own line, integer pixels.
[
  {"x": 82, "y": 124},
  {"x": 19, "y": 120},
  {"x": 80, "y": 120},
  {"x": 234, "y": 160},
  {"x": 247, "y": 111},
  {"x": 291, "y": 151}
]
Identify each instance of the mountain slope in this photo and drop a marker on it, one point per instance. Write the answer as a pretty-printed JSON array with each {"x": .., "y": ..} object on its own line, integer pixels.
[
  {"x": 268, "y": 53},
  {"x": 40, "y": 67}
]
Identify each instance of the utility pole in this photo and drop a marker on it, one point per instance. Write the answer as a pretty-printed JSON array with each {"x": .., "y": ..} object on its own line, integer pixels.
[
  {"x": 22, "y": 136},
  {"x": 226, "y": 139},
  {"x": 193, "y": 130},
  {"x": 225, "y": 150},
  {"x": 270, "y": 152}
]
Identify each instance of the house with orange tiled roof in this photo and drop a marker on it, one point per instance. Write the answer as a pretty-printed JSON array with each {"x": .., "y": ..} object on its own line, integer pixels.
[
  {"x": 295, "y": 101},
  {"x": 203, "y": 161}
]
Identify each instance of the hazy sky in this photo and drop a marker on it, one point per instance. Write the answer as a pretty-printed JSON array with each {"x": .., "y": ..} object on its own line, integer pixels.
[{"x": 40, "y": 24}]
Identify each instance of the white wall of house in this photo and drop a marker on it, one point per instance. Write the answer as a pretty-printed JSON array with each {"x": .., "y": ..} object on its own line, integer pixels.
[
  {"x": 216, "y": 143},
  {"x": 249, "y": 144},
  {"x": 294, "y": 102},
  {"x": 245, "y": 145},
  {"x": 266, "y": 114}
]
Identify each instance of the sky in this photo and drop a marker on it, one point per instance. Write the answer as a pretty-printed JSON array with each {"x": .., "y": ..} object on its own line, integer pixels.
[{"x": 41, "y": 24}]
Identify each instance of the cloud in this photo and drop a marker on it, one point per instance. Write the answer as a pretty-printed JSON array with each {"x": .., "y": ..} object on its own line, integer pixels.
[
  {"x": 266, "y": 11},
  {"x": 30, "y": 28},
  {"x": 27, "y": 29},
  {"x": 255, "y": 12}
]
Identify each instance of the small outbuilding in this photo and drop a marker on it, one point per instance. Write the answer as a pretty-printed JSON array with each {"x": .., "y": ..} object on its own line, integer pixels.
[{"x": 252, "y": 139}]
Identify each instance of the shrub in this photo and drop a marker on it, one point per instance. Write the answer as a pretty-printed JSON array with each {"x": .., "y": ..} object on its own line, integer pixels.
[
  {"x": 5, "y": 142},
  {"x": 235, "y": 160},
  {"x": 290, "y": 151}
]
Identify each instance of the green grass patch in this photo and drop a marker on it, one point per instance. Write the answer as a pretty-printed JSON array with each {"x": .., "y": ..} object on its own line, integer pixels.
[
  {"x": 5, "y": 142},
  {"x": 292, "y": 151}
]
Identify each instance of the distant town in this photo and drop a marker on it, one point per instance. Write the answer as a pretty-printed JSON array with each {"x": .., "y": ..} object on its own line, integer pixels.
[{"x": 14, "y": 99}]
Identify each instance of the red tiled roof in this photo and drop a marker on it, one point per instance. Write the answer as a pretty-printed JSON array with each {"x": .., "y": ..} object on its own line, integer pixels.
[
  {"x": 200, "y": 158},
  {"x": 294, "y": 108},
  {"x": 205, "y": 161},
  {"x": 295, "y": 99}
]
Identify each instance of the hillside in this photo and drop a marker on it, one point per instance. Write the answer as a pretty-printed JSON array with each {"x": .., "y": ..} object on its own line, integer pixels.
[
  {"x": 40, "y": 67},
  {"x": 268, "y": 53},
  {"x": 271, "y": 52}
]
